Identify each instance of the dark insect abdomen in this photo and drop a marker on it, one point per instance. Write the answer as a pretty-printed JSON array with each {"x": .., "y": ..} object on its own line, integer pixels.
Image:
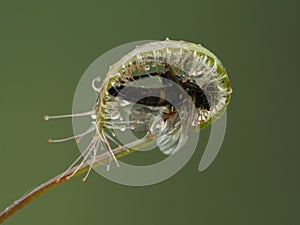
[{"x": 149, "y": 96}]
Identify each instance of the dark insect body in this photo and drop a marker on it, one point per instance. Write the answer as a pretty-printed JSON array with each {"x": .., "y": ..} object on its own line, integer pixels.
[{"x": 149, "y": 96}]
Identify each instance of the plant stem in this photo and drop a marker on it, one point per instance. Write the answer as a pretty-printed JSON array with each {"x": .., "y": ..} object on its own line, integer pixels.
[{"x": 54, "y": 182}]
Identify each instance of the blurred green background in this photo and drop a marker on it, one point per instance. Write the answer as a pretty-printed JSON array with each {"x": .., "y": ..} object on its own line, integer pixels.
[{"x": 45, "y": 47}]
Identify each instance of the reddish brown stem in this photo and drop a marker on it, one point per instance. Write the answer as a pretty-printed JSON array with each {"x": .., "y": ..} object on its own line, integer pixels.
[{"x": 52, "y": 183}]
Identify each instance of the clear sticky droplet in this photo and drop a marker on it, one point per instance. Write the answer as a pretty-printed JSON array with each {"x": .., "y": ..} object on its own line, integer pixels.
[
  {"x": 122, "y": 128},
  {"x": 124, "y": 103},
  {"x": 147, "y": 67}
]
